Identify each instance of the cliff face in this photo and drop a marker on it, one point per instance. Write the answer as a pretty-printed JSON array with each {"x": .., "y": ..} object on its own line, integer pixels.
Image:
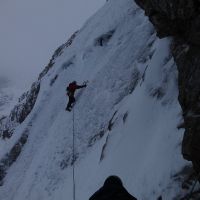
[
  {"x": 124, "y": 122},
  {"x": 174, "y": 18},
  {"x": 181, "y": 20}
]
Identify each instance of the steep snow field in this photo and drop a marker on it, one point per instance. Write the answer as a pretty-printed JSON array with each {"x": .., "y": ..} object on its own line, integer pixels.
[{"x": 125, "y": 120}]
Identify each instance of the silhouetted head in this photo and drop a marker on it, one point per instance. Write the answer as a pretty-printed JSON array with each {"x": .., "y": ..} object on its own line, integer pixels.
[
  {"x": 113, "y": 180},
  {"x": 159, "y": 198},
  {"x": 74, "y": 82}
]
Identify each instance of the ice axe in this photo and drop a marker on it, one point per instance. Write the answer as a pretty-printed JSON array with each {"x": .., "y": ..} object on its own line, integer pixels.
[{"x": 85, "y": 82}]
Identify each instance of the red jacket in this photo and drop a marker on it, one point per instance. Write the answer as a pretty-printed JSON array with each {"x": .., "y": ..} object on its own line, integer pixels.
[{"x": 72, "y": 87}]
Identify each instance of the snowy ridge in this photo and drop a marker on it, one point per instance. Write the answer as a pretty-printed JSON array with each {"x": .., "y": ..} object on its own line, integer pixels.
[
  {"x": 125, "y": 120},
  {"x": 8, "y": 96}
]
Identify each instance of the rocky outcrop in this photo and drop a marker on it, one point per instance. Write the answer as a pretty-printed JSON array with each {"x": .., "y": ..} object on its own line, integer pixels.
[
  {"x": 58, "y": 52},
  {"x": 187, "y": 58},
  {"x": 20, "y": 111},
  {"x": 181, "y": 20},
  {"x": 174, "y": 17},
  {"x": 11, "y": 157}
]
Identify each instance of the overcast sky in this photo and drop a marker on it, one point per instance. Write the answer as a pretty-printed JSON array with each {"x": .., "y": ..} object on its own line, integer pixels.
[{"x": 30, "y": 31}]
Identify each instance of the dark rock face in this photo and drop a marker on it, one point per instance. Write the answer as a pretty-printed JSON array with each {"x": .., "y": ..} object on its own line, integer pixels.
[
  {"x": 20, "y": 111},
  {"x": 11, "y": 157},
  {"x": 181, "y": 20},
  {"x": 174, "y": 17},
  {"x": 188, "y": 63}
]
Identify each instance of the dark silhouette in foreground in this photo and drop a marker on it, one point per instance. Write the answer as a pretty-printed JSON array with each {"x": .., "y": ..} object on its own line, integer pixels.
[
  {"x": 72, "y": 87},
  {"x": 112, "y": 189}
]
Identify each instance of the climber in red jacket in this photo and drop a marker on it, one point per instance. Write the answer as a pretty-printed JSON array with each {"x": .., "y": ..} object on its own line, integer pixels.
[{"x": 72, "y": 87}]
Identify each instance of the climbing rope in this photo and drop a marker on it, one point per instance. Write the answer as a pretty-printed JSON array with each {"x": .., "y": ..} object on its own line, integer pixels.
[
  {"x": 73, "y": 156},
  {"x": 73, "y": 159}
]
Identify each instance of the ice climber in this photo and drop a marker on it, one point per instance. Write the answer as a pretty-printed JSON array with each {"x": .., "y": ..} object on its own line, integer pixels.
[
  {"x": 71, "y": 88},
  {"x": 112, "y": 189}
]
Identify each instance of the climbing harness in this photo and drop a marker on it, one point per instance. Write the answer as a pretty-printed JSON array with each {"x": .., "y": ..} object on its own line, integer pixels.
[
  {"x": 73, "y": 159},
  {"x": 193, "y": 187}
]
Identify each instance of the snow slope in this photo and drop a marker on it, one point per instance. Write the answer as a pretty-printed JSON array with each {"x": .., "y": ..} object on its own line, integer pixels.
[{"x": 125, "y": 120}]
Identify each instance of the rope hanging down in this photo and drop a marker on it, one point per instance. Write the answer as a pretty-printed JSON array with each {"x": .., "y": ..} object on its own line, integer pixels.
[
  {"x": 73, "y": 159},
  {"x": 73, "y": 156}
]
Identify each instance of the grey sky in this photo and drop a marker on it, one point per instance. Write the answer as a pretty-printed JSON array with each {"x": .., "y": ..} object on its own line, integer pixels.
[{"x": 30, "y": 31}]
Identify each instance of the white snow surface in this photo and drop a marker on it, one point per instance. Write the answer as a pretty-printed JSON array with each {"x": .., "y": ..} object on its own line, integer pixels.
[{"x": 132, "y": 74}]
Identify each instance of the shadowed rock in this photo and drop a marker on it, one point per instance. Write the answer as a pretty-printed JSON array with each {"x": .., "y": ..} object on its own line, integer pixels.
[{"x": 181, "y": 19}]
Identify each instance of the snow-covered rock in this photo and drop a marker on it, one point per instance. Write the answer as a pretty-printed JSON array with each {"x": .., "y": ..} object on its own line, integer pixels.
[
  {"x": 125, "y": 121},
  {"x": 8, "y": 96}
]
